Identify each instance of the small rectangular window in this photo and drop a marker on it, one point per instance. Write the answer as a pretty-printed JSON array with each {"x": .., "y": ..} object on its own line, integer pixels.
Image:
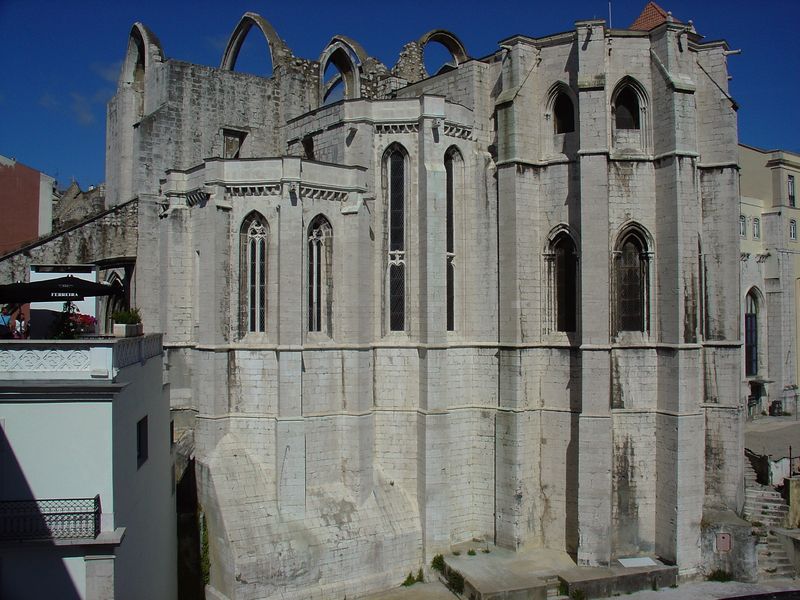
[
  {"x": 790, "y": 190},
  {"x": 141, "y": 441},
  {"x": 742, "y": 226},
  {"x": 172, "y": 433},
  {"x": 232, "y": 143},
  {"x": 756, "y": 229},
  {"x": 793, "y": 230}
]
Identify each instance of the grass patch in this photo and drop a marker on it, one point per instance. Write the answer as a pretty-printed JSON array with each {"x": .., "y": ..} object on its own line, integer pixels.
[
  {"x": 409, "y": 580},
  {"x": 420, "y": 578}
]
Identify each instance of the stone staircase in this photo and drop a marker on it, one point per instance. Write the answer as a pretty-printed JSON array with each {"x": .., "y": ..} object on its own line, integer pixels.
[{"x": 765, "y": 509}]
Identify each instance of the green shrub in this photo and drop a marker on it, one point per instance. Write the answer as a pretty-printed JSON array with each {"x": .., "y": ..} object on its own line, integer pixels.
[
  {"x": 455, "y": 581},
  {"x": 437, "y": 564},
  {"x": 420, "y": 578},
  {"x": 471, "y": 552},
  {"x": 409, "y": 580},
  {"x": 719, "y": 575},
  {"x": 127, "y": 317},
  {"x": 486, "y": 551},
  {"x": 456, "y": 553}
]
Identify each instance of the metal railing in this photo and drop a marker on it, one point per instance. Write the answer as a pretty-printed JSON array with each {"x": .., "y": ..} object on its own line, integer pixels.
[{"x": 50, "y": 519}]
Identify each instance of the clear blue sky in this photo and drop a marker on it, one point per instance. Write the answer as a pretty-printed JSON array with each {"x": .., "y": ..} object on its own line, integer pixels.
[{"x": 60, "y": 58}]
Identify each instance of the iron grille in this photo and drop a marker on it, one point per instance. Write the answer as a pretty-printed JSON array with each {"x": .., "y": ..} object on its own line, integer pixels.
[{"x": 50, "y": 519}]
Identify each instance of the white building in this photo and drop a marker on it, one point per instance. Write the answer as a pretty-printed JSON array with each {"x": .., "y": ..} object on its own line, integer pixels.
[
  {"x": 770, "y": 277},
  {"x": 87, "y": 507}
]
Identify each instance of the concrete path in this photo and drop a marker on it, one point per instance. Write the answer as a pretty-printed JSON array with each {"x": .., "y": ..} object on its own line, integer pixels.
[
  {"x": 704, "y": 590},
  {"x": 773, "y": 435},
  {"x": 711, "y": 590},
  {"x": 419, "y": 591}
]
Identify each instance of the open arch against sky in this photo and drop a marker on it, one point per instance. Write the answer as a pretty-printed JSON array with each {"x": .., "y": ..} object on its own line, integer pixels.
[{"x": 55, "y": 90}]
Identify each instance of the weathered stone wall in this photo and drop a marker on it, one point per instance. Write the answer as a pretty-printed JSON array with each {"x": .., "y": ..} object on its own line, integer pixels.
[
  {"x": 110, "y": 234},
  {"x": 334, "y": 462}
]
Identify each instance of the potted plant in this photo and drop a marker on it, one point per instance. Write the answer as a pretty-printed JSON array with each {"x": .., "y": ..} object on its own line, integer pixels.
[{"x": 127, "y": 323}]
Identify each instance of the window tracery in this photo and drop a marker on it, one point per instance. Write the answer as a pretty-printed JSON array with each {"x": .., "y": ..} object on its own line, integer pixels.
[{"x": 320, "y": 275}]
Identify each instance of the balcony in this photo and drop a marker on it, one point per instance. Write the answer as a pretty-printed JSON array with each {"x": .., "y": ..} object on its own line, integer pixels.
[
  {"x": 52, "y": 519},
  {"x": 88, "y": 358}
]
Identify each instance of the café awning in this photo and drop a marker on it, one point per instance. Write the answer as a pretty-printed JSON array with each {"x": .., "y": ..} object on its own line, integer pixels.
[{"x": 61, "y": 289}]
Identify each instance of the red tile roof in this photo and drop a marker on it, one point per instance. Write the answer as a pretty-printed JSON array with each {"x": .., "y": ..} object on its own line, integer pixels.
[{"x": 652, "y": 16}]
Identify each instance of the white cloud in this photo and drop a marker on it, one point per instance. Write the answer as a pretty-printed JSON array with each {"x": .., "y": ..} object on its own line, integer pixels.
[
  {"x": 108, "y": 71},
  {"x": 81, "y": 108}
]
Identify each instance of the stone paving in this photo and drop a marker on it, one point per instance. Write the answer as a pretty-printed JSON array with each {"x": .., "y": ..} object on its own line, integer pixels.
[
  {"x": 704, "y": 590},
  {"x": 773, "y": 435}
]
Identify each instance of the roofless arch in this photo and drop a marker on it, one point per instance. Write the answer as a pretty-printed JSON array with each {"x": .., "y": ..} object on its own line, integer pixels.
[
  {"x": 347, "y": 56},
  {"x": 278, "y": 50},
  {"x": 143, "y": 48},
  {"x": 447, "y": 39}
]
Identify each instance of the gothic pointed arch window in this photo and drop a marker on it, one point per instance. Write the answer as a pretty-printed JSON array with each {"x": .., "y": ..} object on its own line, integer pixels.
[
  {"x": 632, "y": 276},
  {"x": 453, "y": 166},
  {"x": 751, "y": 334},
  {"x": 629, "y": 104},
  {"x": 563, "y": 114},
  {"x": 253, "y": 245},
  {"x": 564, "y": 278},
  {"x": 320, "y": 275},
  {"x": 626, "y": 109},
  {"x": 395, "y": 184}
]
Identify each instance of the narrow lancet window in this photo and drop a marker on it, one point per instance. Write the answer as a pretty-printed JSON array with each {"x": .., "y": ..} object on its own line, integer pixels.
[
  {"x": 566, "y": 274},
  {"x": 397, "y": 244},
  {"x": 632, "y": 278},
  {"x": 450, "y": 251},
  {"x": 254, "y": 273},
  {"x": 320, "y": 275},
  {"x": 751, "y": 335}
]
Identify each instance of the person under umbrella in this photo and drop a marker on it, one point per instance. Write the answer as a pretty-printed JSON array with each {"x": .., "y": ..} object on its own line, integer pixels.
[{"x": 5, "y": 324}]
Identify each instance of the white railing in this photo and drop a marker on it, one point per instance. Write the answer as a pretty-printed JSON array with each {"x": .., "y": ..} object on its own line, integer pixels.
[{"x": 96, "y": 358}]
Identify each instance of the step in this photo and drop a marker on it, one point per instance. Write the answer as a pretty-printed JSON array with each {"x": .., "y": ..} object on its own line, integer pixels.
[
  {"x": 759, "y": 496},
  {"x": 782, "y": 571},
  {"x": 762, "y": 493},
  {"x": 764, "y": 498},
  {"x": 761, "y": 507},
  {"x": 768, "y": 511}
]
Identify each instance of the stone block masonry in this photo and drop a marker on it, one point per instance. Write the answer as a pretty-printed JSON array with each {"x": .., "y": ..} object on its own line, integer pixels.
[{"x": 519, "y": 325}]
